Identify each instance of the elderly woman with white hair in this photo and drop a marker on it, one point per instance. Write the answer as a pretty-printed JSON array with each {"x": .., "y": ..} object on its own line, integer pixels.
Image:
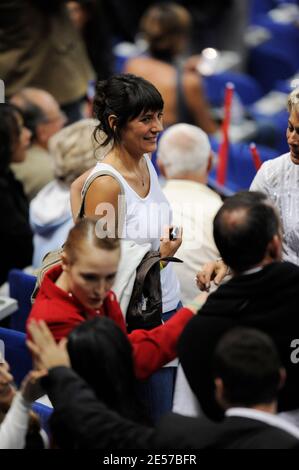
[
  {"x": 73, "y": 152},
  {"x": 185, "y": 158},
  {"x": 279, "y": 179}
]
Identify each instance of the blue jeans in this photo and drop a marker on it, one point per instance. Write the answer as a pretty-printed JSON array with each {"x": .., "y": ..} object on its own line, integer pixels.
[
  {"x": 167, "y": 315},
  {"x": 157, "y": 391}
]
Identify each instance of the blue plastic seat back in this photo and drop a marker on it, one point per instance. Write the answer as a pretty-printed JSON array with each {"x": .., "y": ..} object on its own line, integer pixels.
[
  {"x": 259, "y": 7},
  {"x": 241, "y": 169},
  {"x": 21, "y": 286},
  {"x": 267, "y": 64},
  {"x": 284, "y": 36},
  {"x": 246, "y": 87},
  {"x": 44, "y": 412},
  {"x": 16, "y": 353}
]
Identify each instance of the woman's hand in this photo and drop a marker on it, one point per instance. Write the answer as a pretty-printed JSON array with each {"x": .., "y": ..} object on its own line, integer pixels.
[
  {"x": 197, "y": 302},
  {"x": 30, "y": 387},
  {"x": 46, "y": 352},
  {"x": 212, "y": 271},
  {"x": 169, "y": 247},
  {"x": 7, "y": 388}
]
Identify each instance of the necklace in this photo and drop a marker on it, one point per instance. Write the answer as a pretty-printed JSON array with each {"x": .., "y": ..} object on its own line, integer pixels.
[{"x": 142, "y": 178}]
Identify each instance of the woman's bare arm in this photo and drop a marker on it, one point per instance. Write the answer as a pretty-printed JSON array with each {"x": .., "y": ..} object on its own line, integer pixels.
[
  {"x": 102, "y": 202},
  {"x": 75, "y": 193}
]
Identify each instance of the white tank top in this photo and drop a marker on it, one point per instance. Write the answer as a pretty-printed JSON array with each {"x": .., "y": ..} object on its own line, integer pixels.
[{"x": 144, "y": 223}]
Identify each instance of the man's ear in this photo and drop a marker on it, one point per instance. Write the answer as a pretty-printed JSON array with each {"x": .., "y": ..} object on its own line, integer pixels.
[
  {"x": 283, "y": 377},
  {"x": 65, "y": 262},
  {"x": 219, "y": 390},
  {"x": 112, "y": 121},
  {"x": 41, "y": 134},
  {"x": 275, "y": 248},
  {"x": 210, "y": 163}
]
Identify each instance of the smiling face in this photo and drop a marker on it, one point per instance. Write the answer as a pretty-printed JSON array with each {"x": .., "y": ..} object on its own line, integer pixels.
[
  {"x": 91, "y": 273},
  {"x": 293, "y": 136},
  {"x": 140, "y": 134}
]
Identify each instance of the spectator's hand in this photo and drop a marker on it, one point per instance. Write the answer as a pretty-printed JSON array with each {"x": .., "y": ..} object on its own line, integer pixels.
[
  {"x": 212, "y": 271},
  {"x": 198, "y": 302},
  {"x": 30, "y": 387},
  {"x": 46, "y": 352},
  {"x": 7, "y": 388},
  {"x": 169, "y": 247}
]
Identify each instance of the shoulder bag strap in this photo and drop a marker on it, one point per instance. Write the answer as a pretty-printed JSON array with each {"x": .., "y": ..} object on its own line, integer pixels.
[{"x": 122, "y": 209}]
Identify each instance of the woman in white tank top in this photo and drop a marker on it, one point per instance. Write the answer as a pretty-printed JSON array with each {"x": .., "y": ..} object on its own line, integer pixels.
[{"x": 129, "y": 110}]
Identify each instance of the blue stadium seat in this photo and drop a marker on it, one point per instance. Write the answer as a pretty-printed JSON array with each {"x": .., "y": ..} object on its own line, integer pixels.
[
  {"x": 241, "y": 169},
  {"x": 277, "y": 58},
  {"x": 246, "y": 87},
  {"x": 259, "y": 7},
  {"x": 267, "y": 64},
  {"x": 278, "y": 122},
  {"x": 21, "y": 286},
  {"x": 44, "y": 412}
]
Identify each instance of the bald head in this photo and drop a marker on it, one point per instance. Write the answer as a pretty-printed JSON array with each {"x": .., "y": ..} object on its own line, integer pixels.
[
  {"x": 42, "y": 114},
  {"x": 244, "y": 231},
  {"x": 184, "y": 150}
]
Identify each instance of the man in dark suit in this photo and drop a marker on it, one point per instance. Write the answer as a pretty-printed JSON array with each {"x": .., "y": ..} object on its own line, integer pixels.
[
  {"x": 262, "y": 293},
  {"x": 247, "y": 374}
]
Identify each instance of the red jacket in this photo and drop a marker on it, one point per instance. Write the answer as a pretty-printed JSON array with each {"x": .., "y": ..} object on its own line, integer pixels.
[{"x": 62, "y": 313}]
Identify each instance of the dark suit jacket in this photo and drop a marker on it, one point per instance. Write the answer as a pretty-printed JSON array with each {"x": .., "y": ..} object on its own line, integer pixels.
[
  {"x": 180, "y": 432},
  {"x": 89, "y": 424},
  {"x": 267, "y": 300}
]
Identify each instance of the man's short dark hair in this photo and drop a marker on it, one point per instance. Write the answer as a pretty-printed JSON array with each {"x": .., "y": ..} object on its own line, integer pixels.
[
  {"x": 243, "y": 227},
  {"x": 248, "y": 363},
  {"x": 33, "y": 116}
]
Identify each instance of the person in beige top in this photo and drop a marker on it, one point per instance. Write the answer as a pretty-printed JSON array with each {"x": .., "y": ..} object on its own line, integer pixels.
[
  {"x": 184, "y": 158},
  {"x": 44, "y": 118},
  {"x": 41, "y": 47},
  {"x": 166, "y": 29}
]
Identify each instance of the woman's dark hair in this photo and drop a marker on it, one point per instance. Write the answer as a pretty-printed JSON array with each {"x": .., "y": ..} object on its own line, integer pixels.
[
  {"x": 126, "y": 96},
  {"x": 101, "y": 354},
  {"x": 9, "y": 134}
]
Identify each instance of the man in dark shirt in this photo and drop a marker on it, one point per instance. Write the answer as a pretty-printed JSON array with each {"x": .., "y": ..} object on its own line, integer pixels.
[
  {"x": 247, "y": 374},
  {"x": 262, "y": 293}
]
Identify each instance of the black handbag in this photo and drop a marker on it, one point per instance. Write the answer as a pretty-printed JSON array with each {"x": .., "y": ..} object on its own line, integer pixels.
[{"x": 145, "y": 307}]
